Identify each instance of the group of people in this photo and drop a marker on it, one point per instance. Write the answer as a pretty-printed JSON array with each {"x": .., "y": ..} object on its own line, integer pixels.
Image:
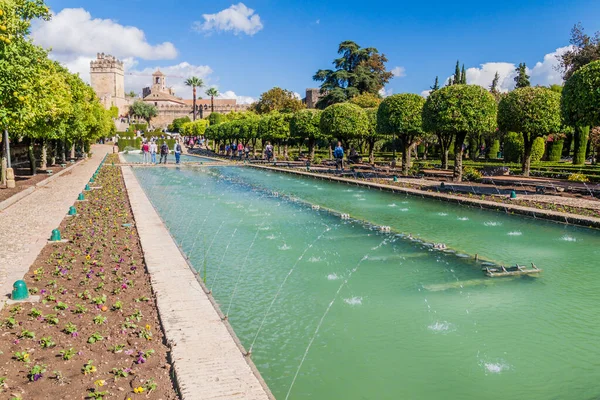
[
  {"x": 338, "y": 154},
  {"x": 151, "y": 148},
  {"x": 232, "y": 150},
  {"x": 193, "y": 141}
]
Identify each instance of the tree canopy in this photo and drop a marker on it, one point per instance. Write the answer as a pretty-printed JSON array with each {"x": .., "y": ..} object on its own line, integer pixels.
[
  {"x": 358, "y": 70},
  {"x": 460, "y": 110},
  {"x": 344, "y": 121},
  {"x": 401, "y": 115},
  {"x": 533, "y": 111},
  {"x": 277, "y": 99},
  {"x": 580, "y": 101},
  {"x": 366, "y": 100},
  {"x": 583, "y": 50},
  {"x": 305, "y": 124},
  {"x": 143, "y": 110}
]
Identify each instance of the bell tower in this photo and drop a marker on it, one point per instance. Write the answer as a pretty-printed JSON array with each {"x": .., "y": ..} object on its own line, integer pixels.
[{"x": 159, "y": 83}]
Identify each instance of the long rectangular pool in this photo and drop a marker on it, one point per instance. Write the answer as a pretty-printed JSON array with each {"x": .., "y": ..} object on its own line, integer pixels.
[{"x": 334, "y": 309}]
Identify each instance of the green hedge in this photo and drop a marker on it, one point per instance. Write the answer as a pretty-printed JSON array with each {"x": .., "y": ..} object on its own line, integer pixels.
[
  {"x": 537, "y": 149},
  {"x": 513, "y": 147},
  {"x": 494, "y": 149},
  {"x": 126, "y": 142},
  {"x": 555, "y": 149},
  {"x": 136, "y": 127}
]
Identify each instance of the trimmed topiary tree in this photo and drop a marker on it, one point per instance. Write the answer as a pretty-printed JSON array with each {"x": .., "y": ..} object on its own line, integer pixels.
[
  {"x": 343, "y": 121},
  {"x": 456, "y": 111},
  {"x": 494, "y": 149},
  {"x": 538, "y": 149},
  {"x": 533, "y": 111},
  {"x": 580, "y": 105},
  {"x": 401, "y": 115},
  {"x": 513, "y": 147},
  {"x": 372, "y": 136},
  {"x": 305, "y": 125}
]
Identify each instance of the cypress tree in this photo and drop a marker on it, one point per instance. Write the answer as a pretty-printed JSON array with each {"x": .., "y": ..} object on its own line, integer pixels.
[
  {"x": 457, "y": 78},
  {"x": 522, "y": 79},
  {"x": 494, "y": 86},
  {"x": 463, "y": 75},
  {"x": 435, "y": 86}
]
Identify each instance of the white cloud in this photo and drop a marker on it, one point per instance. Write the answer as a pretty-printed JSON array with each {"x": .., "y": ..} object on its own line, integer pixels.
[
  {"x": 229, "y": 94},
  {"x": 383, "y": 92},
  {"x": 73, "y": 33},
  {"x": 237, "y": 18},
  {"x": 543, "y": 72},
  {"x": 175, "y": 76},
  {"x": 398, "y": 72},
  {"x": 425, "y": 93}
]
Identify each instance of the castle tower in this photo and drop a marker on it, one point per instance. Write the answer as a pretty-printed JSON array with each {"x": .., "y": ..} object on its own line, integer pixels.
[
  {"x": 107, "y": 76},
  {"x": 159, "y": 82}
]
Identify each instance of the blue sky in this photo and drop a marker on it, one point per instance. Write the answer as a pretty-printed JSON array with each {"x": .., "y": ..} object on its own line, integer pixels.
[{"x": 284, "y": 43}]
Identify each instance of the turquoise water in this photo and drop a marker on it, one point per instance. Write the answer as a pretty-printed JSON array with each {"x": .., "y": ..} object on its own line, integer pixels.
[
  {"x": 352, "y": 313},
  {"x": 138, "y": 157}
]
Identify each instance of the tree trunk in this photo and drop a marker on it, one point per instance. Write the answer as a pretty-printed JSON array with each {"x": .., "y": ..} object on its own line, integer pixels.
[
  {"x": 581, "y": 139},
  {"x": 444, "y": 142},
  {"x": 254, "y": 147},
  {"x": 371, "y": 144},
  {"x": 285, "y": 150},
  {"x": 31, "y": 156},
  {"x": 3, "y": 162},
  {"x": 526, "y": 164},
  {"x": 72, "y": 155},
  {"x": 405, "y": 157},
  {"x": 445, "y": 158},
  {"x": 425, "y": 152},
  {"x": 311, "y": 149},
  {"x": 458, "y": 157},
  {"x": 212, "y": 104},
  {"x": 44, "y": 155},
  {"x": 63, "y": 151},
  {"x": 330, "y": 152},
  {"x": 278, "y": 148},
  {"x": 54, "y": 152},
  {"x": 194, "y": 102}
]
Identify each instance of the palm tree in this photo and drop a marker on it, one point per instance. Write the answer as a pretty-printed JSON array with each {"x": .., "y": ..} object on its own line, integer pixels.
[
  {"x": 212, "y": 92},
  {"x": 194, "y": 82}
]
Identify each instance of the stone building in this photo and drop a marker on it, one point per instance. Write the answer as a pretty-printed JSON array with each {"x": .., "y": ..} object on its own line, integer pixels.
[
  {"x": 108, "y": 80},
  {"x": 107, "y": 76},
  {"x": 312, "y": 96}
]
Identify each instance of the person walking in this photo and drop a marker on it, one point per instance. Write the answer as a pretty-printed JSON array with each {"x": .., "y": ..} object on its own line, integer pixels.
[
  {"x": 146, "y": 152},
  {"x": 338, "y": 154},
  {"x": 164, "y": 151},
  {"x": 153, "y": 150},
  {"x": 269, "y": 151},
  {"x": 240, "y": 149},
  {"x": 177, "y": 150}
]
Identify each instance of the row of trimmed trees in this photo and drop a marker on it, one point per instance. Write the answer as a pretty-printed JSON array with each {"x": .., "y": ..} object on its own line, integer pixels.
[
  {"x": 454, "y": 114},
  {"x": 40, "y": 101}
]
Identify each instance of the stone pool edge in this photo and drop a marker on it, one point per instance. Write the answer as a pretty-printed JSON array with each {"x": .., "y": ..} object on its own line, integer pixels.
[
  {"x": 208, "y": 359},
  {"x": 554, "y": 216}
]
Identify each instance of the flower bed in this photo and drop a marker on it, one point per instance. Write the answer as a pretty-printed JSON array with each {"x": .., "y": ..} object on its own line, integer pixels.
[{"x": 95, "y": 333}]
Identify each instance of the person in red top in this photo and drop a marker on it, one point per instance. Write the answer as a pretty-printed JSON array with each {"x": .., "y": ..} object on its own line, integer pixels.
[
  {"x": 146, "y": 152},
  {"x": 240, "y": 149}
]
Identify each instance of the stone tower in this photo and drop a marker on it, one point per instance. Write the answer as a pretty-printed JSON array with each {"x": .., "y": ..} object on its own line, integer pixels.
[
  {"x": 107, "y": 76},
  {"x": 312, "y": 96}
]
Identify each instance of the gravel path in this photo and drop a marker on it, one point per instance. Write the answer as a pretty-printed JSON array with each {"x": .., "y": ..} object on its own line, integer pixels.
[{"x": 25, "y": 226}]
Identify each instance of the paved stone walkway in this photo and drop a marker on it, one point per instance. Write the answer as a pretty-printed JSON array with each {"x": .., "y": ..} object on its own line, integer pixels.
[
  {"x": 206, "y": 358},
  {"x": 25, "y": 226}
]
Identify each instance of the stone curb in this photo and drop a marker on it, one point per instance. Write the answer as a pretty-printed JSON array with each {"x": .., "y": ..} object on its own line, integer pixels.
[
  {"x": 208, "y": 359},
  {"x": 24, "y": 193},
  {"x": 555, "y": 216}
]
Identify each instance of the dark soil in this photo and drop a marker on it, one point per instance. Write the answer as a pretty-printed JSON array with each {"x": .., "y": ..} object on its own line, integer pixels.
[
  {"x": 24, "y": 180},
  {"x": 95, "y": 286}
]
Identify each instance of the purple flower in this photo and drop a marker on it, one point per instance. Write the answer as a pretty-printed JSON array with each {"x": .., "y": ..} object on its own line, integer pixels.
[
  {"x": 75, "y": 334},
  {"x": 43, "y": 291},
  {"x": 36, "y": 377},
  {"x": 124, "y": 286}
]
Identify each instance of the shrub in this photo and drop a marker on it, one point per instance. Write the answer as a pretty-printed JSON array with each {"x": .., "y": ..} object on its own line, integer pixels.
[
  {"x": 138, "y": 127},
  {"x": 471, "y": 174},
  {"x": 537, "y": 149},
  {"x": 555, "y": 149},
  {"x": 513, "y": 147},
  {"x": 494, "y": 149},
  {"x": 578, "y": 178}
]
